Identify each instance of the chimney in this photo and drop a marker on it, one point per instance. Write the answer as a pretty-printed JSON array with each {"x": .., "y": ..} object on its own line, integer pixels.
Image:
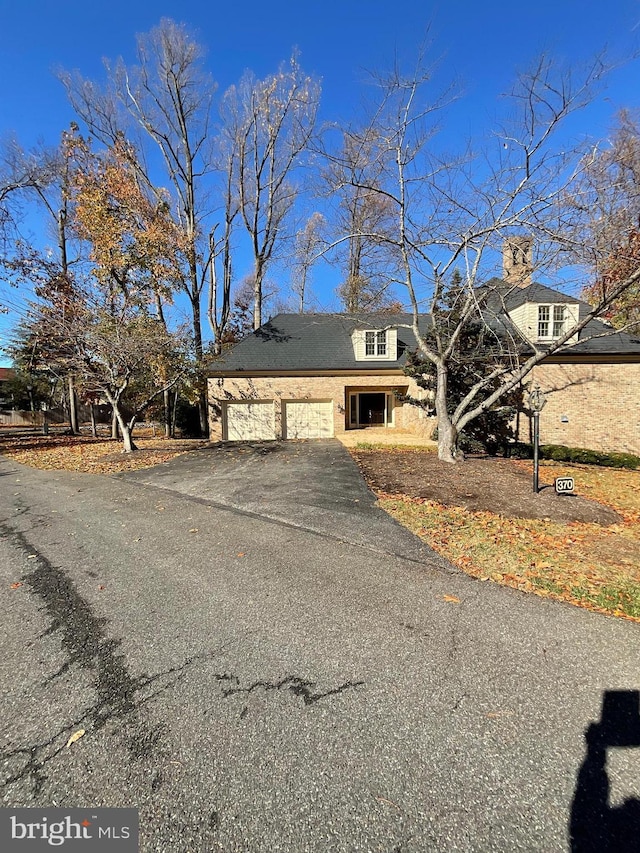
[{"x": 517, "y": 264}]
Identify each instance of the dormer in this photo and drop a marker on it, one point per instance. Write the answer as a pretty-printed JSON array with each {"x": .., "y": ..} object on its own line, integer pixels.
[
  {"x": 545, "y": 322},
  {"x": 375, "y": 344}
]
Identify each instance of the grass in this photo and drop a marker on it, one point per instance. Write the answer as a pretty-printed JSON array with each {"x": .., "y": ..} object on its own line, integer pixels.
[
  {"x": 377, "y": 445},
  {"x": 585, "y": 564}
]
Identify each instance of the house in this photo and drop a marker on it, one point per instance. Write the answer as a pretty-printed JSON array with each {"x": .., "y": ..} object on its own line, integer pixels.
[
  {"x": 7, "y": 374},
  {"x": 319, "y": 375},
  {"x": 592, "y": 387},
  {"x": 316, "y": 376}
]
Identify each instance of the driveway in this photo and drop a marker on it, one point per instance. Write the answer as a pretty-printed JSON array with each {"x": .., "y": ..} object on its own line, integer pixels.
[
  {"x": 312, "y": 485},
  {"x": 253, "y": 680}
]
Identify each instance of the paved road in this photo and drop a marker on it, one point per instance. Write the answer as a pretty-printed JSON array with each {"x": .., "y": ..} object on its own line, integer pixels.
[{"x": 257, "y": 678}]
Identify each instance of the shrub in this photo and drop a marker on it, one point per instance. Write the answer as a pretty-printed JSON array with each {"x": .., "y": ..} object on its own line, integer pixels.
[
  {"x": 583, "y": 456},
  {"x": 579, "y": 455}
]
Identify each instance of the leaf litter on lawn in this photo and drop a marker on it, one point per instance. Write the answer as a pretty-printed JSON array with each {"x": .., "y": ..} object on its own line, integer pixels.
[
  {"x": 594, "y": 565},
  {"x": 88, "y": 455}
]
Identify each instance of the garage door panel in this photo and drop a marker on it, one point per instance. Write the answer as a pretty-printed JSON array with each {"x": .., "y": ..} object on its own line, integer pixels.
[
  {"x": 251, "y": 421},
  {"x": 308, "y": 419}
]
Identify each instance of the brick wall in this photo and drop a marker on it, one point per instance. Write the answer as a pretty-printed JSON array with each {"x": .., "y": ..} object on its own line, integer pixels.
[
  {"x": 596, "y": 406},
  {"x": 405, "y": 416}
]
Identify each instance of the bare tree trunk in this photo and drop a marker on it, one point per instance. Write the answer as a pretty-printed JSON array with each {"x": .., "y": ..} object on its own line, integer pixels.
[
  {"x": 199, "y": 353},
  {"x": 174, "y": 410},
  {"x": 73, "y": 409},
  {"x": 257, "y": 299},
  {"x": 126, "y": 429},
  {"x": 166, "y": 399},
  {"x": 94, "y": 428},
  {"x": 447, "y": 432},
  {"x": 127, "y": 440},
  {"x": 114, "y": 425}
]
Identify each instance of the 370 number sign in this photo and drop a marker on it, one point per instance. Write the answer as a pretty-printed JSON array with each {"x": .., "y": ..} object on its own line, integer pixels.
[{"x": 564, "y": 485}]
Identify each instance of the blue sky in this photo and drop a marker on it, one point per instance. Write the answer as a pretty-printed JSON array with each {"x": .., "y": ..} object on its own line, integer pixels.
[{"x": 481, "y": 44}]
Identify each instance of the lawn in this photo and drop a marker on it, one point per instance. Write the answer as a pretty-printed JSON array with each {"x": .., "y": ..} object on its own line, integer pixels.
[
  {"x": 583, "y": 550},
  {"x": 90, "y": 455}
]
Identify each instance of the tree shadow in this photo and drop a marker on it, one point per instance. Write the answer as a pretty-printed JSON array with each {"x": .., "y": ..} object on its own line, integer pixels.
[{"x": 595, "y": 826}]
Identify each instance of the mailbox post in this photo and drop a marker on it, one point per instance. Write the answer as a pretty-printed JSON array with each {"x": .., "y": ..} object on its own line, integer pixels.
[{"x": 537, "y": 400}]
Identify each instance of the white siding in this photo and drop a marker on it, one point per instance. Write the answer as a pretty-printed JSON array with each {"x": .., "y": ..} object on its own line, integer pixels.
[
  {"x": 525, "y": 318},
  {"x": 358, "y": 340}
]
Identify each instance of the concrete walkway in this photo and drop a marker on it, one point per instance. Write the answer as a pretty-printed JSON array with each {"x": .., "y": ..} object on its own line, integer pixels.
[{"x": 375, "y": 435}]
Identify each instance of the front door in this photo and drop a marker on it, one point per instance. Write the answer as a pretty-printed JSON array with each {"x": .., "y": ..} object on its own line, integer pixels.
[{"x": 372, "y": 409}]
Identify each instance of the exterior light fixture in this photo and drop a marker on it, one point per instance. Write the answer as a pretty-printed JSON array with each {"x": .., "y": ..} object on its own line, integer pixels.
[{"x": 537, "y": 402}]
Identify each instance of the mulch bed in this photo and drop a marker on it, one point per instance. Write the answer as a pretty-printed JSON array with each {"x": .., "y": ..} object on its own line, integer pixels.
[{"x": 502, "y": 486}]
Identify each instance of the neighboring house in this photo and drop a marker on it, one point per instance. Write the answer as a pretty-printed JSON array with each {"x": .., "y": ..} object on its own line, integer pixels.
[
  {"x": 6, "y": 375},
  {"x": 319, "y": 375}
]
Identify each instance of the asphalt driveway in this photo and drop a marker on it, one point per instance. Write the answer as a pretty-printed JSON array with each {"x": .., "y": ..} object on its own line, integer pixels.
[
  {"x": 263, "y": 684},
  {"x": 313, "y": 485}
]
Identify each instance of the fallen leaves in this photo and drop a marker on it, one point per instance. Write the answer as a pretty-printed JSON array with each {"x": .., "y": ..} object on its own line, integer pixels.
[
  {"x": 586, "y": 564},
  {"x": 451, "y": 599},
  {"x": 75, "y": 737},
  {"x": 89, "y": 455},
  {"x": 16, "y": 585}
]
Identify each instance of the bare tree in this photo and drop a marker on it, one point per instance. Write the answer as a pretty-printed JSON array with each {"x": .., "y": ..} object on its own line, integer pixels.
[
  {"x": 364, "y": 213},
  {"x": 221, "y": 254},
  {"x": 43, "y": 175},
  {"x": 269, "y": 123},
  {"x": 111, "y": 344},
  {"x": 457, "y": 212},
  {"x": 169, "y": 97},
  {"x": 308, "y": 247}
]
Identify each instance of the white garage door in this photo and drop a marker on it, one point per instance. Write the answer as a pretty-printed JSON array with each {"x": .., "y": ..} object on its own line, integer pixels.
[
  {"x": 251, "y": 421},
  {"x": 308, "y": 419}
]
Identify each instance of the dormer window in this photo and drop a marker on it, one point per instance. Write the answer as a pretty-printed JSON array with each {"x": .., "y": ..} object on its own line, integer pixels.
[
  {"x": 375, "y": 344},
  {"x": 552, "y": 321}
]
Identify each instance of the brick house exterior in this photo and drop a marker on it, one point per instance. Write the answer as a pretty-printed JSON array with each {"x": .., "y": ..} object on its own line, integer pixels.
[
  {"x": 311, "y": 376},
  {"x": 319, "y": 375},
  {"x": 589, "y": 404}
]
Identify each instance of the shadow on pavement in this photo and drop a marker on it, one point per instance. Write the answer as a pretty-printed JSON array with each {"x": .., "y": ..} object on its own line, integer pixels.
[{"x": 595, "y": 826}]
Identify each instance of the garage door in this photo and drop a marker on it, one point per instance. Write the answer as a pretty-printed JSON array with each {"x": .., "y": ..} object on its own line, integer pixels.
[
  {"x": 250, "y": 421},
  {"x": 308, "y": 419}
]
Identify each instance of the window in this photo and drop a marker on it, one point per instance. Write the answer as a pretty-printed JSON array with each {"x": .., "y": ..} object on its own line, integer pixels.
[
  {"x": 375, "y": 344},
  {"x": 552, "y": 321},
  {"x": 559, "y": 316},
  {"x": 544, "y": 312}
]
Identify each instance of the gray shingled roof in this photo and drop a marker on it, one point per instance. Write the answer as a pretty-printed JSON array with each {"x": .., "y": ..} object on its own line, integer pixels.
[
  {"x": 313, "y": 342},
  {"x": 323, "y": 341}
]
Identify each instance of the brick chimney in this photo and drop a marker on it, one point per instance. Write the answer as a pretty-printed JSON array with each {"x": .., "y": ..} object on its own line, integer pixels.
[{"x": 517, "y": 263}]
